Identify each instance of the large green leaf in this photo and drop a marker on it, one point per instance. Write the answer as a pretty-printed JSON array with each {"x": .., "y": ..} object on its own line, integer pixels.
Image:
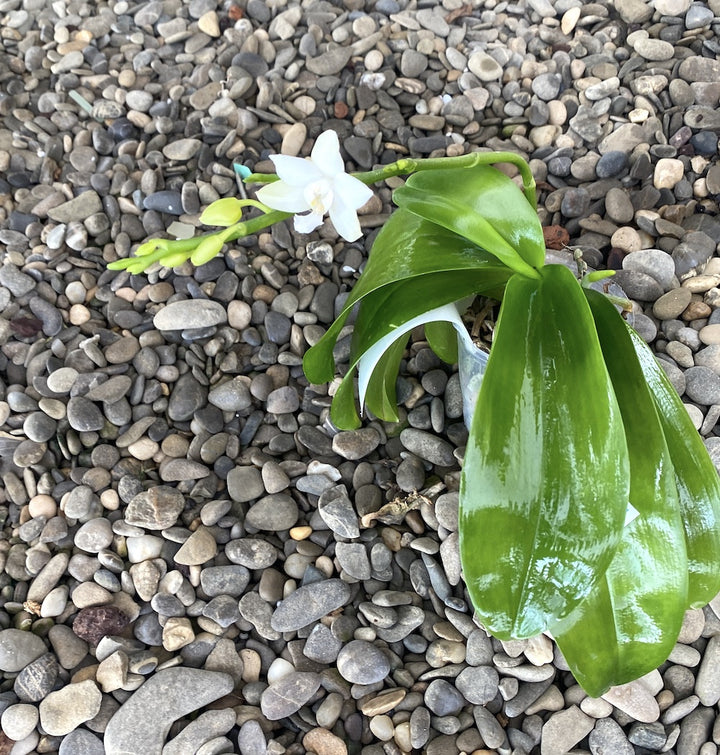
[
  {"x": 696, "y": 477},
  {"x": 483, "y": 205},
  {"x": 629, "y": 623},
  {"x": 381, "y": 397},
  {"x": 544, "y": 488},
  {"x": 406, "y": 248},
  {"x": 442, "y": 339},
  {"x": 385, "y": 311}
]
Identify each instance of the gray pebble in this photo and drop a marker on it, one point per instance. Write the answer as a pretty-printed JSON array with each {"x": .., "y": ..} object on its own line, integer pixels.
[
  {"x": 83, "y": 415},
  {"x": 283, "y": 400},
  {"x": 273, "y": 512},
  {"x": 608, "y": 737},
  {"x": 309, "y": 603},
  {"x": 672, "y": 304},
  {"x": 81, "y": 742},
  {"x": 353, "y": 560},
  {"x": 187, "y": 397},
  {"x": 653, "y": 262},
  {"x": 231, "y": 579},
  {"x": 650, "y": 736},
  {"x": 356, "y": 444},
  {"x": 18, "y": 649},
  {"x": 190, "y": 313},
  {"x": 428, "y": 446},
  {"x": 37, "y": 679},
  {"x": 231, "y": 396},
  {"x": 443, "y": 699},
  {"x": 287, "y": 695},
  {"x": 39, "y": 427},
  {"x": 702, "y": 385},
  {"x": 144, "y": 720},
  {"x": 251, "y": 553},
  {"x": 694, "y": 731},
  {"x": 478, "y": 684},
  {"x": 362, "y": 662},
  {"x": 156, "y": 509},
  {"x": 251, "y": 738},
  {"x": 336, "y": 510},
  {"x": 321, "y": 645}
]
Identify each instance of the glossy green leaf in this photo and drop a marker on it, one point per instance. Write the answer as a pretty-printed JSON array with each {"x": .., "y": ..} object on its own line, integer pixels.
[
  {"x": 406, "y": 248},
  {"x": 629, "y": 623},
  {"x": 696, "y": 477},
  {"x": 483, "y": 205},
  {"x": 442, "y": 339},
  {"x": 381, "y": 396},
  {"x": 544, "y": 487},
  {"x": 385, "y": 310}
]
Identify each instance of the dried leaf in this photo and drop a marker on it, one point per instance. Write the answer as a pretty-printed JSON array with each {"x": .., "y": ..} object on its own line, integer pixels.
[{"x": 395, "y": 511}]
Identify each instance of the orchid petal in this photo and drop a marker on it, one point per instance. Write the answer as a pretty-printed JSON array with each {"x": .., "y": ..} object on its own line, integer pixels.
[
  {"x": 326, "y": 154},
  {"x": 295, "y": 171},
  {"x": 307, "y": 223},
  {"x": 281, "y": 196},
  {"x": 353, "y": 191},
  {"x": 345, "y": 220}
]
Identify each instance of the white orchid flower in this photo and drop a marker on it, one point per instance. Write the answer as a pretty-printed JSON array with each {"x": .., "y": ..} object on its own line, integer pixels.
[{"x": 312, "y": 186}]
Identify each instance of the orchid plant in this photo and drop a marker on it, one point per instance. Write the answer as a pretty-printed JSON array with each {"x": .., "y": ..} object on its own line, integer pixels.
[{"x": 589, "y": 507}]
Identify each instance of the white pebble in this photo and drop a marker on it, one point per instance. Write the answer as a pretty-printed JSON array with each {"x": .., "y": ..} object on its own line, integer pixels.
[
  {"x": 19, "y": 721},
  {"x": 278, "y": 669},
  {"x": 382, "y": 727}
]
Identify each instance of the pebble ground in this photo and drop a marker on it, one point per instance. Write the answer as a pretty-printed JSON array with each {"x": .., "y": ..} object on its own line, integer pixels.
[{"x": 193, "y": 560}]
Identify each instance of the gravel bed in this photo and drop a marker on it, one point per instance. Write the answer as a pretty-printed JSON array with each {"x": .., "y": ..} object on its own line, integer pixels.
[{"x": 193, "y": 560}]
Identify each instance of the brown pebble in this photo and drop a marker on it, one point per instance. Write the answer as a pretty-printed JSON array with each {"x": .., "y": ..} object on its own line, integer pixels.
[
  {"x": 95, "y": 622},
  {"x": 556, "y": 237},
  {"x": 696, "y": 310},
  {"x": 341, "y": 110},
  {"x": 6, "y": 744},
  {"x": 375, "y": 705},
  {"x": 324, "y": 742}
]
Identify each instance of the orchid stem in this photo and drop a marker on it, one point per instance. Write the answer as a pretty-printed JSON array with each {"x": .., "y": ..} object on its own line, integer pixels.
[{"x": 407, "y": 165}]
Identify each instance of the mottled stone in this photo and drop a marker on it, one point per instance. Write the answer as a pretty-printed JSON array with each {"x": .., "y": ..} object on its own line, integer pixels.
[
  {"x": 155, "y": 509},
  {"x": 64, "y": 710}
]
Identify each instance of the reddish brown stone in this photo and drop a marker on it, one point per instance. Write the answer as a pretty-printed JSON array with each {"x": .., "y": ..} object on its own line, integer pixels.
[
  {"x": 94, "y": 623},
  {"x": 556, "y": 237},
  {"x": 6, "y": 744}
]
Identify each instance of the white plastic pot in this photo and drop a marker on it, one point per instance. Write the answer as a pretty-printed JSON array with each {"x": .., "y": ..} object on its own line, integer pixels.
[{"x": 472, "y": 362}]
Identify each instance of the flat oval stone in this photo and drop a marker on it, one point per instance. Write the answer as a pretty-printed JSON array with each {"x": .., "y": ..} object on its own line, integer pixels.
[
  {"x": 18, "y": 649},
  {"x": 83, "y": 415},
  {"x": 273, "y": 513},
  {"x": 309, "y": 603},
  {"x": 672, "y": 304},
  {"x": 427, "y": 446},
  {"x": 287, "y": 695},
  {"x": 251, "y": 553},
  {"x": 190, "y": 313},
  {"x": 64, "y": 710},
  {"x": 361, "y": 662}
]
